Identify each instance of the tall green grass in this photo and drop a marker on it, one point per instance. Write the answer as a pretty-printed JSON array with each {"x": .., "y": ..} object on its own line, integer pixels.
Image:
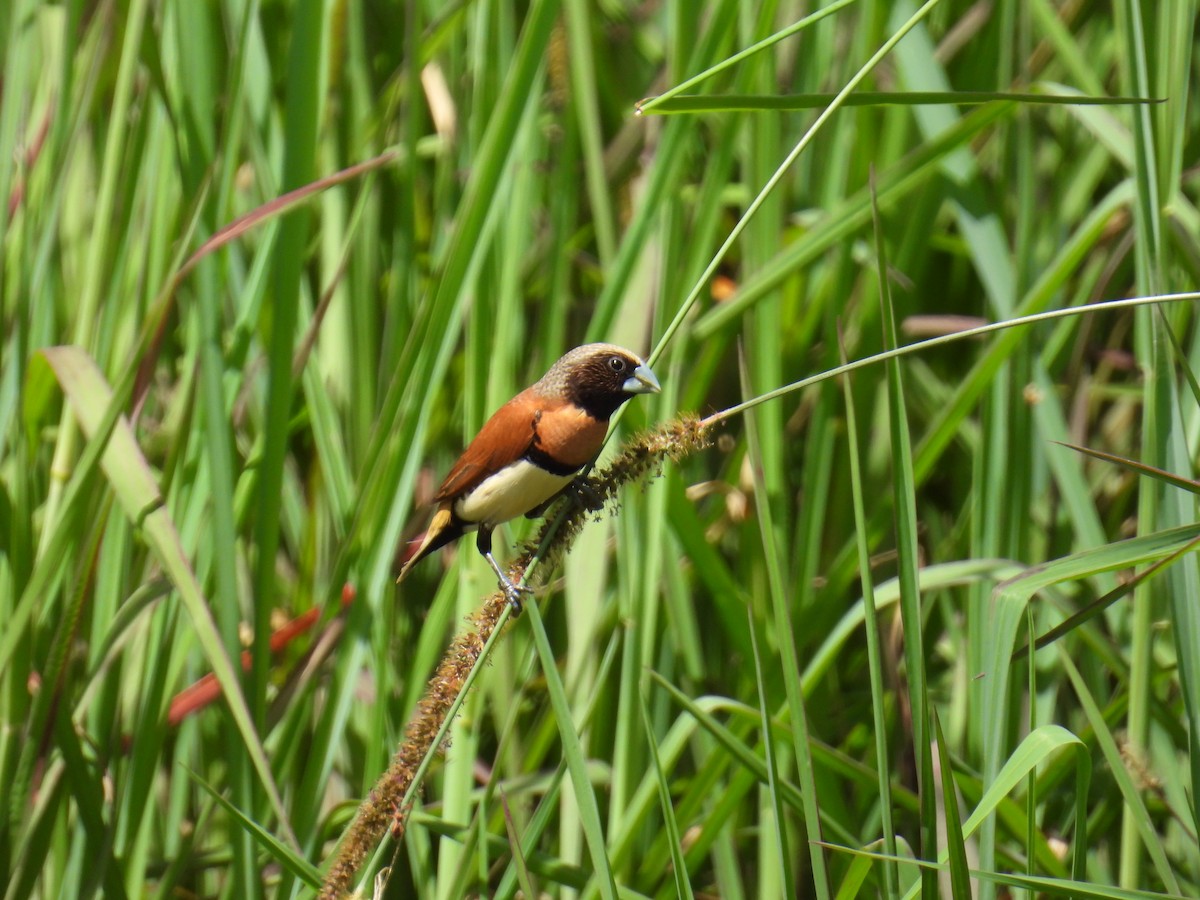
[{"x": 793, "y": 663}]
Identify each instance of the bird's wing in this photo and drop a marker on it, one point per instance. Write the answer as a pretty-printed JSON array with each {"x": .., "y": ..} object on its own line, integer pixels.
[{"x": 506, "y": 437}]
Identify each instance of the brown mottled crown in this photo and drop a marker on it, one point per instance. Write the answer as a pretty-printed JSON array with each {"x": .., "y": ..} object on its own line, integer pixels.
[{"x": 597, "y": 378}]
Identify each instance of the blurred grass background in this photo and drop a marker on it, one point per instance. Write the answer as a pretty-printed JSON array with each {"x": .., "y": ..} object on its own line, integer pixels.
[{"x": 803, "y": 634}]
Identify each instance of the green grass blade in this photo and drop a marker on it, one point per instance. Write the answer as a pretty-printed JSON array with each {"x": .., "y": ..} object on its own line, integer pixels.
[
  {"x": 956, "y": 848},
  {"x": 573, "y": 753},
  {"x": 684, "y": 103},
  {"x": 1134, "y": 806},
  {"x": 683, "y": 884},
  {"x": 872, "y": 628},
  {"x": 280, "y": 852},
  {"x": 906, "y": 547},
  {"x": 790, "y": 666}
]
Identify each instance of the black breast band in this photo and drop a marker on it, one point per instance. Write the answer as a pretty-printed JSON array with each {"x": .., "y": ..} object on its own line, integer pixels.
[{"x": 544, "y": 460}]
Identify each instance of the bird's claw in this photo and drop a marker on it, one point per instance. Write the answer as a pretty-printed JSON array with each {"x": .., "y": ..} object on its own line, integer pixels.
[
  {"x": 513, "y": 593},
  {"x": 585, "y": 495},
  {"x": 511, "y": 590}
]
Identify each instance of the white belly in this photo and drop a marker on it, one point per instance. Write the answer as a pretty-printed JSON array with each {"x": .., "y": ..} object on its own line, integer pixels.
[{"x": 511, "y": 492}]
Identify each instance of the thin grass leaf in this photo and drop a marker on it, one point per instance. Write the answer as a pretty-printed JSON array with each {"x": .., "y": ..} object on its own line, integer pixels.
[
  {"x": 649, "y": 105},
  {"x": 280, "y": 852},
  {"x": 871, "y": 625},
  {"x": 1160, "y": 446},
  {"x": 514, "y": 843},
  {"x": 302, "y": 112},
  {"x": 856, "y": 875},
  {"x": 683, "y": 884},
  {"x": 956, "y": 847},
  {"x": 1091, "y": 610},
  {"x": 280, "y": 206},
  {"x": 576, "y": 762},
  {"x": 1190, "y": 485},
  {"x": 931, "y": 578},
  {"x": 687, "y": 103},
  {"x": 790, "y": 665},
  {"x": 1135, "y": 808},
  {"x": 1180, "y": 359},
  {"x": 737, "y": 748},
  {"x": 916, "y": 346},
  {"x": 895, "y": 183},
  {"x": 906, "y": 547}
]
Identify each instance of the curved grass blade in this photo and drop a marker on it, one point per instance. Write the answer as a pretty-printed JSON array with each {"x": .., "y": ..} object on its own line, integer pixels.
[
  {"x": 1038, "y": 747},
  {"x": 1008, "y": 609},
  {"x": 917, "y": 346},
  {"x": 1100, "y": 604},
  {"x": 277, "y": 206}
]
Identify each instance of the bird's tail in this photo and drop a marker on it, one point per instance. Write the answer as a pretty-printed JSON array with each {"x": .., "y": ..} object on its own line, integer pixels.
[{"x": 444, "y": 528}]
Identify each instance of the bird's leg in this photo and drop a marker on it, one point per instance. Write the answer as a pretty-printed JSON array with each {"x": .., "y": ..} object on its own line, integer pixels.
[{"x": 511, "y": 591}]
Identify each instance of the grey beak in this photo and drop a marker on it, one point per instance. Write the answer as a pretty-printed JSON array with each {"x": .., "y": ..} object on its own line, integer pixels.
[{"x": 642, "y": 382}]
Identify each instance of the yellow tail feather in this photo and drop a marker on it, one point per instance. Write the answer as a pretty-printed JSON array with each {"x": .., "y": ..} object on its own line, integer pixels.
[{"x": 435, "y": 536}]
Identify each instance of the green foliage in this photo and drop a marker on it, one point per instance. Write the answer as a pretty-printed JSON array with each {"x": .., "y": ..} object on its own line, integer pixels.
[{"x": 793, "y": 662}]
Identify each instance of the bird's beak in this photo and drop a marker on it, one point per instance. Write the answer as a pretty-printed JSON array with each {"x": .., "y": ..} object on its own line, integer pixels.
[{"x": 642, "y": 382}]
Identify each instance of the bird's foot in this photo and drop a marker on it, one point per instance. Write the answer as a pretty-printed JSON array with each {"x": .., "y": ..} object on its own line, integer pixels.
[
  {"x": 585, "y": 495},
  {"x": 513, "y": 592}
]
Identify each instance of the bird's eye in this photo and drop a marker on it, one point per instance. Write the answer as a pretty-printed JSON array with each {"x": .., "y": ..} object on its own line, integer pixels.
[{"x": 617, "y": 364}]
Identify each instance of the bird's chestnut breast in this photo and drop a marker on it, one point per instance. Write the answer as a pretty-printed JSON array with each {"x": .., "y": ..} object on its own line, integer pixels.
[{"x": 570, "y": 435}]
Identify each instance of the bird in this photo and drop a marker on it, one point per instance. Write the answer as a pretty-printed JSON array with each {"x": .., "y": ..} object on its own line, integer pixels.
[{"x": 531, "y": 450}]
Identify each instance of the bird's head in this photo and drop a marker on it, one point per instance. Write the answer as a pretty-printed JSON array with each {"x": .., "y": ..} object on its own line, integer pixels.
[{"x": 598, "y": 378}]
